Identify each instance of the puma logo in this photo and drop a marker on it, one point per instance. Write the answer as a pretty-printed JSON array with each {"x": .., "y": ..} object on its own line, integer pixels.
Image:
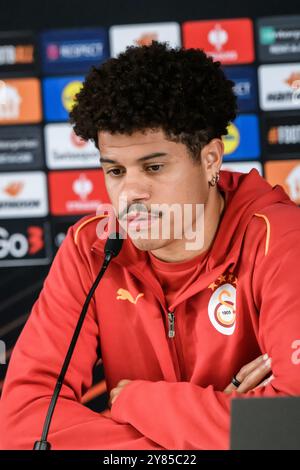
[{"x": 123, "y": 294}]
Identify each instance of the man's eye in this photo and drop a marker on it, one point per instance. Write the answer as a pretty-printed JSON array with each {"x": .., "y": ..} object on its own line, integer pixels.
[
  {"x": 114, "y": 171},
  {"x": 154, "y": 168}
]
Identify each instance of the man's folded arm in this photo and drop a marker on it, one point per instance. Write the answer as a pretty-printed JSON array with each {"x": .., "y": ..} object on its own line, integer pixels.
[
  {"x": 183, "y": 415},
  {"x": 37, "y": 359}
]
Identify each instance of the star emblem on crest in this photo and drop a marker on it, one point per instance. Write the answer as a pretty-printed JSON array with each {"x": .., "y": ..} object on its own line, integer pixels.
[{"x": 223, "y": 279}]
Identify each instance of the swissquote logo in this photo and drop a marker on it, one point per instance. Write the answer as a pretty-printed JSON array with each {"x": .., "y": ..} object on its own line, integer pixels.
[
  {"x": 222, "y": 304},
  {"x": 64, "y": 149}
]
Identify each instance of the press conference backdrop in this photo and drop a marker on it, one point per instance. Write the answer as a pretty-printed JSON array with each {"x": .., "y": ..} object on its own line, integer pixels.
[{"x": 49, "y": 177}]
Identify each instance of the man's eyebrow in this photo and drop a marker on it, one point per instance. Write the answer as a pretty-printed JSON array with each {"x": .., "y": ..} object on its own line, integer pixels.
[{"x": 141, "y": 159}]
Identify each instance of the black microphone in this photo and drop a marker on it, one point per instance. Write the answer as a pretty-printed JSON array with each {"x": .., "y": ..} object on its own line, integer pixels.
[{"x": 112, "y": 248}]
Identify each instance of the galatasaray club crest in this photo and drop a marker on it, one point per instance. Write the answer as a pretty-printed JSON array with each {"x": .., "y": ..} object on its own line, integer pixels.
[{"x": 222, "y": 304}]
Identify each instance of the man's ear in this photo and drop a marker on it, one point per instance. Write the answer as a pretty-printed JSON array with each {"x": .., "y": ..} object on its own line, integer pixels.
[{"x": 212, "y": 157}]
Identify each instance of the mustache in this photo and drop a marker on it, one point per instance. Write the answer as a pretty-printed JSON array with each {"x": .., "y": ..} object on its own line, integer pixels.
[{"x": 141, "y": 209}]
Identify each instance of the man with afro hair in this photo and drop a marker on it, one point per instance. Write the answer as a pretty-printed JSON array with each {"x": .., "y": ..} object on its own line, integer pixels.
[{"x": 200, "y": 306}]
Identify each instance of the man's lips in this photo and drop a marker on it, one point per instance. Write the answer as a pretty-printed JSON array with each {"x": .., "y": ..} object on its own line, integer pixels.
[
  {"x": 134, "y": 219},
  {"x": 137, "y": 216}
]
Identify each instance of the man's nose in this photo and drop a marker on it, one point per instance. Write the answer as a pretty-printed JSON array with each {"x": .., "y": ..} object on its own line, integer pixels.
[{"x": 135, "y": 190}]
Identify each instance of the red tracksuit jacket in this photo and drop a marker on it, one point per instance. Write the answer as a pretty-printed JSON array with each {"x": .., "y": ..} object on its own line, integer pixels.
[{"x": 244, "y": 303}]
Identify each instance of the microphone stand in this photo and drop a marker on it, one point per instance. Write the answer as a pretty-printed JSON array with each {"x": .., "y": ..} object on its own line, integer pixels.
[{"x": 112, "y": 249}]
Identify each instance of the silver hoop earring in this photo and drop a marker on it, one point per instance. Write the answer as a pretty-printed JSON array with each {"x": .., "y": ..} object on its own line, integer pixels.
[{"x": 214, "y": 180}]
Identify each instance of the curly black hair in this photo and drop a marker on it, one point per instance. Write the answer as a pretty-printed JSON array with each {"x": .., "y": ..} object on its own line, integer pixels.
[{"x": 181, "y": 91}]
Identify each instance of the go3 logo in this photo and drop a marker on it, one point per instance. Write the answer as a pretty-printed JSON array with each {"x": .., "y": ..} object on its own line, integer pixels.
[{"x": 18, "y": 245}]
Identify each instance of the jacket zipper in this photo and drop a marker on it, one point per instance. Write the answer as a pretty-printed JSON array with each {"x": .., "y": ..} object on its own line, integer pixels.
[
  {"x": 171, "y": 323},
  {"x": 174, "y": 353}
]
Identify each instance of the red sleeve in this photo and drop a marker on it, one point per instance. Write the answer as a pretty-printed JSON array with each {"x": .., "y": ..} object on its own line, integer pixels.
[
  {"x": 37, "y": 359},
  {"x": 183, "y": 415}
]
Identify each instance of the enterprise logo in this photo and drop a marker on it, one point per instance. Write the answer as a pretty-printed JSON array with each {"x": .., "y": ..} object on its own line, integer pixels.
[{"x": 23, "y": 195}]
